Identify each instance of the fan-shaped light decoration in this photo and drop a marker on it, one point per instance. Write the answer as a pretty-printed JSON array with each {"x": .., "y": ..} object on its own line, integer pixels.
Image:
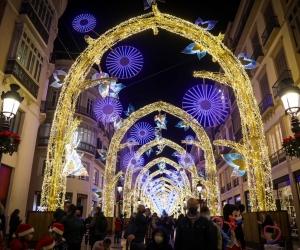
[
  {"x": 124, "y": 62},
  {"x": 207, "y": 25},
  {"x": 142, "y": 132},
  {"x": 206, "y": 103},
  {"x": 237, "y": 162},
  {"x": 84, "y": 23},
  {"x": 186, "y": 160},
  {"x": 57, "y": 78},
  {"x": 108, "y": 109},
  {"x": 247, "y": 62},
  {"x": 130, "y": 159},
  {"x": 192, "y": 48}
]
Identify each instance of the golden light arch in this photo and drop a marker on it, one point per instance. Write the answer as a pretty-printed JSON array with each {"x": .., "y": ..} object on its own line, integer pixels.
[
  {"x": 261, "y": 196},
  {"x": 111, "y": 161},
  {"x": 129, "y": 171}
]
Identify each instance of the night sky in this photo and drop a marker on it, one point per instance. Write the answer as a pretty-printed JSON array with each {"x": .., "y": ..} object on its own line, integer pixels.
[{"x": 167, "y": 73}]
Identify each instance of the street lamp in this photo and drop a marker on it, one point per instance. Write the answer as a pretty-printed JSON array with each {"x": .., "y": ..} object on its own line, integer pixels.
[
  {"x": 119, "y": 188},
  {"x": 200, "y": 188},
  {"x": 11, "y": 100}
]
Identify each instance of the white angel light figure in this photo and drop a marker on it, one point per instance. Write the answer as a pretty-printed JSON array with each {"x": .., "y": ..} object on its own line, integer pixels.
[{"x": 73, "y": 164}]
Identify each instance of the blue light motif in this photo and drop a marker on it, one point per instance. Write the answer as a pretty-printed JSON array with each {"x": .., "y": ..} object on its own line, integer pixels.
[
  {"x": 247, "y": 62},
  {"x": 107, "y": 110},
  {"x": 129, "y": 110},
  {"x": 142, "y": 132},
  {"x": 207, "y": 104},
  {"x": 84, "y": 23},
  {"x": 124, "y": 62},
  {"x": 183, "y": 125},
  {"x": 130, "y": 159},
  {"x": 237, "y": 162},
  {"x": 192, "y": 48},
  {"x": 207, "y": 25}
]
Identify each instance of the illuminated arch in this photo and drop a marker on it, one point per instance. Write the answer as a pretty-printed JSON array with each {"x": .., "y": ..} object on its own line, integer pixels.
[
  {"x": 129, "y": 171},
  {"x": 261, "y": 195}
]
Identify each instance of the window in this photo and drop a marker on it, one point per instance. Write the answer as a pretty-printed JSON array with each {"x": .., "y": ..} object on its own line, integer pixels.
[
  {"x": 280, "y": 62},
  {"x": 264, "y": 85},
  {"x": 89, "y": 107},
  {"x": 54, "y": 97},
  {"x": 274, "y": 138},
  {"x": 256, "y": 47},
  {"x": 96, "y": 177},
  {"x": 87, "y": 167},
  {"x": 87, "y": 136},
  {"x": 16, "y": 122},
  {"x": 44, "y": 12},
  {"x": 29, "y": 57},
  {"x": 294, "y": 20}
]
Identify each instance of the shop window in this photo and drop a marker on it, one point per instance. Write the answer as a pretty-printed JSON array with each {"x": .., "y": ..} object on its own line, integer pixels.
[
  {"x": 37, "y": 201},
  {"x": 237, "y": 199},
  {"x": 29, "y": 57}
]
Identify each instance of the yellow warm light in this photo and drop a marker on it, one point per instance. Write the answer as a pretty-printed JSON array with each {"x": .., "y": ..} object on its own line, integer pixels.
[{"x": 256, "y": 156}]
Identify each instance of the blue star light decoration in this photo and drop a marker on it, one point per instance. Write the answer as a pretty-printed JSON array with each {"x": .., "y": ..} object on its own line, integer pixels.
[
  {"x": 124, "y": 62},
  {"x": 107, "y": 109},
  {"x": 161, "y": 121},
  {"x": 186, "y": 160},
  {"x": 207, "y": 104},
  {"x": 84, "y": 23},
  {"x": 131, "y": 159},
  {"x": 142, "y": 132},
  {"x": 207, "y": 25},
  {"x": 247, "y": 62},
  {"x": 183, "y": 125},
  {"x": 193, "y": 49},
  {"x": 237, "y": 162},
  {"x": 129, "y": 110}
]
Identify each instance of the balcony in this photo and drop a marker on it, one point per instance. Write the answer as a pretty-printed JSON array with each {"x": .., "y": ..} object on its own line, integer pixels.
[
  {"x": 27, "y": 9},
  {"x": 277, "y": 158},
  {"x": 284, "y": 78},
  {"x": 13, "y": 67},
  {"x": 266, "y": 103},
  {"x": 87, "y": 148},
  {"x": 270, "y": 25}
]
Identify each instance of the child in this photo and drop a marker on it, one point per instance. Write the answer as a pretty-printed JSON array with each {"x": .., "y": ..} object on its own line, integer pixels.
[
  {"x": 57, "y": 231},
  {"x": 45, "y": 243},
  {"x": 24, "y": 235},
  {"x": 160, "y": 240}
]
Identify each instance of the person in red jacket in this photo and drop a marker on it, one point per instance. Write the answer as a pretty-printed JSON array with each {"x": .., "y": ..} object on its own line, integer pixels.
[
  {"x": 118, "y": 230},
  {"x": 24, "y": 235}
]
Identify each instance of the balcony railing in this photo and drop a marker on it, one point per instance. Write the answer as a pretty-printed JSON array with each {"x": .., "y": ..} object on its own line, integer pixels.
[
  {"x": 284, "y": 78},
  {"x": 87, "y": 148},
  {"x": 13, "y": 67},
  {"x": 278, "y": 157},
  {"x": 266, "y": 103},
  {"x": 28, "y": 10},
  {"x": 47, "y": 106},
  {"x": 270, "y": 25}
]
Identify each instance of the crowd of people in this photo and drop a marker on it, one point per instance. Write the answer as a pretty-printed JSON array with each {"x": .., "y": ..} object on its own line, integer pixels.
[
  {"x": 195, "y": 230},
  {"x": 144, "y": 231}
]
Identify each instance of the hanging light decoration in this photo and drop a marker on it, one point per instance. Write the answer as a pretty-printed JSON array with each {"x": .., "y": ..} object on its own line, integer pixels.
[
  {"x": 206, "y": 102},
  {"x": 124, "y": 62},
  {"x": 108, "y": 109},
  {"x": 142, "y": 132},
  {"x": 131, "y": 159},
  {"x": 84, "y": 23}
]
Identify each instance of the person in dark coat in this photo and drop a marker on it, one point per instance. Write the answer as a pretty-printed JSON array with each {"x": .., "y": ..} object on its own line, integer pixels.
[
  {"x": 74, "y": 229},
  {"x": 159, "y": 240},
  {"x": 14, "y": 222},
  {"x": 195, "y": 231},
  {"x": 137, "y": 237},
  {"x": 98, "y": 227}
]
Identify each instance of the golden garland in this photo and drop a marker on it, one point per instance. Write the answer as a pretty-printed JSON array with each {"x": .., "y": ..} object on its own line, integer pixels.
[{"x": 261, "y": 195}]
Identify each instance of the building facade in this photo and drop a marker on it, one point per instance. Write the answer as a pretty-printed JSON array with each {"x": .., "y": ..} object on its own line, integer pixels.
[
  {"x": 268, "y": 31},
  {"x": 28, "y": 29},
  {"x": 83, "y": 191}
]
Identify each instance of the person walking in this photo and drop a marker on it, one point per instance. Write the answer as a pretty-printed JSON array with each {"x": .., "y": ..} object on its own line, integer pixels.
[
  {"x": 98, "y": 227},
  {"x": 14, "y": 222},
  {"x": 195, "y": 231},
  {"x": 73, "y": 229},
  {"x": 137, "y": 236},
  {"x": 118, "y": 230}
]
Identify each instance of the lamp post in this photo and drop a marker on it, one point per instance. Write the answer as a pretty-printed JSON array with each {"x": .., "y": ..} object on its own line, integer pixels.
[
  {"x": 10, "y": 104},
  {"x": 199, "y": 188},
  {"x": 290, "y": 97},
  {"x": 119, "y": 189}
]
